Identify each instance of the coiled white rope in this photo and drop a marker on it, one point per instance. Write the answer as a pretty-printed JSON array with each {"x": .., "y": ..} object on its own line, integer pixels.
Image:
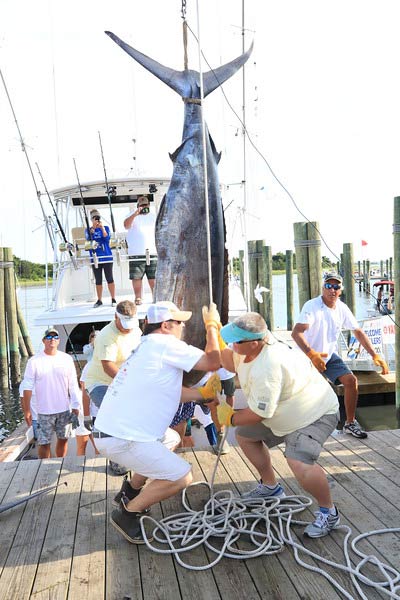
[{"x": 267, "y": 523}]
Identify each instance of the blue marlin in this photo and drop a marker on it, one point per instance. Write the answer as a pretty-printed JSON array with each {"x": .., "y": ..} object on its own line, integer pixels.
[{"x": 181, "y": 240}]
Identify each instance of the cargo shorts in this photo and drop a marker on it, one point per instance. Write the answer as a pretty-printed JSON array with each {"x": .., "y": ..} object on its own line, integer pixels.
[
  {"x": 138, "y": 267},
  {"x": 57, "y": 422},
  {"x": 304, "y": 444}
]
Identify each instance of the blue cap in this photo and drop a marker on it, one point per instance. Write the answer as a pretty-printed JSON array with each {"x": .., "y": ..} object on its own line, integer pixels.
[{"x": 232, "y": 333}]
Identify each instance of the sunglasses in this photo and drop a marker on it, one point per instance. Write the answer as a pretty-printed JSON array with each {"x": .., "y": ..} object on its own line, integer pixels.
[
  {"x": 175, "y": 321},
  {"x": 330, "y": 286},
  {"x": 51, "y": 337},
  {"x": 246, "y": 341}
]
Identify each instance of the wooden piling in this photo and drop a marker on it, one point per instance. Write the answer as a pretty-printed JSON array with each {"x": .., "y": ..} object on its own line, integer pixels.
[
  {"x": 348, "y": 277},
  {"x": 21, "y": 344},
  {"x": 3, "y": 330},
  {"x": 289, "y": 290},
  {"x": 241, "y": 273},
  {"x": 387, "y": 267},
  {"x": 381, "y": 269},
  {"x": 308, "y": 260},
  {"x": 367, "y": 281},
  {"x": 11, "y": 316},
  {"x": 396, "y": 256},
  {"x": 391, "y": 268},
  {"x": 253, "y": 275},
  {"x": 24, "y": 331},
  {"x": 266, "y": 308}
]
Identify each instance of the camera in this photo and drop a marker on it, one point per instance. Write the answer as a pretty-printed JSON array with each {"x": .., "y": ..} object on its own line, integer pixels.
[
  {"x": 97, "y": 218},
  {"x": 145, "y": 210}
]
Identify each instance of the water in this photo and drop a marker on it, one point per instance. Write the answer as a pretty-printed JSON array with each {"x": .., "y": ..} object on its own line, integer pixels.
[{"x": 33, "y": 301}]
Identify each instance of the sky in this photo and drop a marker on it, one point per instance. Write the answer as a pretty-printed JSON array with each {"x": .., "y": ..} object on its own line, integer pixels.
[{"x": 322, "y": 111}]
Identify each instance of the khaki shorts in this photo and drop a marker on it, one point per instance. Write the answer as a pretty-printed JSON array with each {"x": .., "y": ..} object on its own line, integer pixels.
[
  {"x": 304, "y": 444},
  {"x": 57, "y": 422},
  {"x": 154, "y": 460}
]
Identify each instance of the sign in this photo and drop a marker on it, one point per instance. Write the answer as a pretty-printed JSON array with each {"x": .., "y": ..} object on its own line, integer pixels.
[{"x": 373, "y": 328}]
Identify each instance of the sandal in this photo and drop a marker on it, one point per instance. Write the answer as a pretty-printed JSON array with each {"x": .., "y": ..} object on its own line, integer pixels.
[{"x": 138, "y": 301}]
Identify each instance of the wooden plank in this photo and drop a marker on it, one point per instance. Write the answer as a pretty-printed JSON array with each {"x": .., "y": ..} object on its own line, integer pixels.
[
  {"x": 87, "y": 579},
  {"x": 18, "y": 487},
  {"x": 371, "y": 382},
  {"x": 52, "y": 576},
  {"x": 306, "y": 584},
  {"x": 122, "y": 561},
  {"x": 7, "y": 471},
  {"x": 20, "y": 568},
  {"x": 15, "y": 443}
]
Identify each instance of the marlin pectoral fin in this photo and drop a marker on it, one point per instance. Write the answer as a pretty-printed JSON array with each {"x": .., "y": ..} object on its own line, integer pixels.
[
  {"x": 176, "y": 152},
  {"x": 216, "y": 77},
  {"x": 217, "y": 155},
  {"x": 174, "y": 79}
]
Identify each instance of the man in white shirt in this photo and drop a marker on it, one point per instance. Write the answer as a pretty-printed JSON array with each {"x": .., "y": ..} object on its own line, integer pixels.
[
  {"x": 140, "y": 225},
  {"x": 316, "y": 333},
  {"x": 132, "y": 425},
  {"x": 52, "y": 375}
]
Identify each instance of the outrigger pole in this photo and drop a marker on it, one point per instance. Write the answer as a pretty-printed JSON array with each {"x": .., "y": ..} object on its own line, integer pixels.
[
  {"x": 110, "y": 190},
  {"x": 93, "y": 244},
  {"x": 9, "y": 505},
  {"x": 24, "y": 150},
  {"x": 68, "y": 245}
]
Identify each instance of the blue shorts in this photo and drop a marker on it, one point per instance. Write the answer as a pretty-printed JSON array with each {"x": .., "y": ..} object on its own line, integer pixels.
[{"x": 335, "y": 368}]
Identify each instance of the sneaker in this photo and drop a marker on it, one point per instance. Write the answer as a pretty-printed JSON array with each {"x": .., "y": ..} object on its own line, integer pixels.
[
  {"x": 128, "y": 523},
  {"x": 113, "y": 302},
  {"x": 263, "y": 491},
  {"x": 354, "y": 429},
  {"x": 97, "y": 304},
  {"x": 126, "y": 490},
  {"x": 323, "y": 524},
  {"x": 117, "y": 469}
]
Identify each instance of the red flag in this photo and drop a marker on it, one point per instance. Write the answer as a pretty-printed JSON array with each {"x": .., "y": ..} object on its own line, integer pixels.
[{"x": 364, "y": 243}]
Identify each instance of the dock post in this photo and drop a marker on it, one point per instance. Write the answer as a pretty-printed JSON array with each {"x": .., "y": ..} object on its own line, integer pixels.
[
  {"x": 396, "y": 256},
  {"x": 359, "y": 276},
  {"x": 348, "y": 260},
  {"x": 289, "y": 290},
  {"x": 314, "y": 258},
  {"x": 24, "y": 332},
  {"x": 303, "y": 282},
  {"x": 252, "y": 267},
  {"x": 3, "y": 333},
  {"x": 11, "y": 312},
  {"x": 363, "y": 277},
  {"x": 265, "y": 308},
  {"x": 241, "y": 274},
  {"x": 381, "y": 269},
  {"x": 367, "y": 282},
  {"x": 21, "y": 344},
  {"x": 391, "y": 268}
]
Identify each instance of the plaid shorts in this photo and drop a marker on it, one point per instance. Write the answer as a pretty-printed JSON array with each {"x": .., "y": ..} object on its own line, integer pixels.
[{"x": 58, "y": 423}]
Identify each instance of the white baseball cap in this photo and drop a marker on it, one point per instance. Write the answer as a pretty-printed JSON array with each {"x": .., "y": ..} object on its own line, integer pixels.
[{"x": 166, "y": 311}]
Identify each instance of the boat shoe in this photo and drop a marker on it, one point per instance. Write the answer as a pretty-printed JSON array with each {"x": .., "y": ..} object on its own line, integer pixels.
[
  {"x": 128, "y": 523},
  {"x": 126, "y": 490}
]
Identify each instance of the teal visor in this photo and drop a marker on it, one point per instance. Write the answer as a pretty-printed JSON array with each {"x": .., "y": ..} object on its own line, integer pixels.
[{"x": 231, "y": 333}]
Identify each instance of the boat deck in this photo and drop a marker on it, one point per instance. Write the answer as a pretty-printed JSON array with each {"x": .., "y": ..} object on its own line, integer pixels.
[{"x": 61, "y": 545}]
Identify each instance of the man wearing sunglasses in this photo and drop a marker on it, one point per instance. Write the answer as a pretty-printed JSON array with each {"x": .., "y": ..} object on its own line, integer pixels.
[
  {"x": 317, "y": 331},
  {"x": 51, "y": 373}
]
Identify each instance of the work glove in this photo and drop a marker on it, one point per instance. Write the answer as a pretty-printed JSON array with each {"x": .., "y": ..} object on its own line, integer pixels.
[
  {"x": 316, "y": 359},
  {"x": 211, "y": 316},
  {"x": 211, "y": 388},
  {"x": 381, "y": 362},
  {"x": 88, "y": 423},
  {"x": 225, "y": 414},
  {"x": 74, "y": 420}
]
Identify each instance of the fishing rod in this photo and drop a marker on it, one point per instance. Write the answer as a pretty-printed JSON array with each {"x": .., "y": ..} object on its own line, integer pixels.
[
  {"x": 24, "y": 150},
  {"x": 93, "y": 244},
  {"x": 110, "y": 190},
  {"x": 9, "y": 505},
  {"x": 67, "y": 245}
]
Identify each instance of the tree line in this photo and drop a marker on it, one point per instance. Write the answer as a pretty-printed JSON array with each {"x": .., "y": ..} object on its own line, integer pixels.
[{"x": 27, "y": 270}]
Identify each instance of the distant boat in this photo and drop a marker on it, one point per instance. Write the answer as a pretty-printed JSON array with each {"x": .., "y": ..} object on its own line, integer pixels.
[{"x": 384, "y": 294}]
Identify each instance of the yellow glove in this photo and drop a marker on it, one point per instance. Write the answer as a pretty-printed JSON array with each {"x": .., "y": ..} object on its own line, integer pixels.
[
  {"x": 316, "y": 359},
  {"x": 221, "y": 342},
  {"x": 211, "y": 316},
  {"x": 225, "y": 414},
  {"x": 381, "y": 362},
  {"x": 211, "y": 388}
]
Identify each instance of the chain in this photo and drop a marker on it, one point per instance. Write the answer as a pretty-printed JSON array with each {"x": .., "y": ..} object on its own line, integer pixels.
[{"x": 183, "y": 10}]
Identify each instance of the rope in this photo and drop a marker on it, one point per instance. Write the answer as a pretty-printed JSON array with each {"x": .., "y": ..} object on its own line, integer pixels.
[
  {"x": 227, "y": 520},
  {"x": 203, "y": 131}
]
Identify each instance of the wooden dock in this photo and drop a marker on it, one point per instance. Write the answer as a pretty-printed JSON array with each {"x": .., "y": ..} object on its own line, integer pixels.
[{"x": 61, "y": 545}]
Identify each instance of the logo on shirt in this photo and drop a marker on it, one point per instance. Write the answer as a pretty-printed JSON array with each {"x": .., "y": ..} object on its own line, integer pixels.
[{"x": 262, "y": 405}]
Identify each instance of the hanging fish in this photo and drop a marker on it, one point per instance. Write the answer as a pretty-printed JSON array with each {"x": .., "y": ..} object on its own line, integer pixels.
[{"x": 181, "y": 239}]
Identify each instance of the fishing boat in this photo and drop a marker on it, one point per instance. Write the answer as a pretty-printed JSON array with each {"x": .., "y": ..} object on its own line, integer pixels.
[
  {"x": 384, "y": 294},
  {"x": 73, "y": 294}
]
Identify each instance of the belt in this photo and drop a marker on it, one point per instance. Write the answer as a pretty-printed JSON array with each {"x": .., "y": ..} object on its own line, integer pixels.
[{"x": 100, "y": 434}]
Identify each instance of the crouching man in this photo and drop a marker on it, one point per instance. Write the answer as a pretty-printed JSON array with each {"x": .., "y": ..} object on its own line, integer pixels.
[
  {"x": 288, "y": 401},
  {"x": 132, "y": 425}
]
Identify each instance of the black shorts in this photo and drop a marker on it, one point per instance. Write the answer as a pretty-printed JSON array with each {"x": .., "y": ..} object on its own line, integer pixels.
[{"x": 108, "y": 273}]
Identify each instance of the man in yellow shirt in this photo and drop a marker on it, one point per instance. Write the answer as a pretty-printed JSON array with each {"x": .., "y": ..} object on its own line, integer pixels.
[{"x": 113, "y": 345}]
